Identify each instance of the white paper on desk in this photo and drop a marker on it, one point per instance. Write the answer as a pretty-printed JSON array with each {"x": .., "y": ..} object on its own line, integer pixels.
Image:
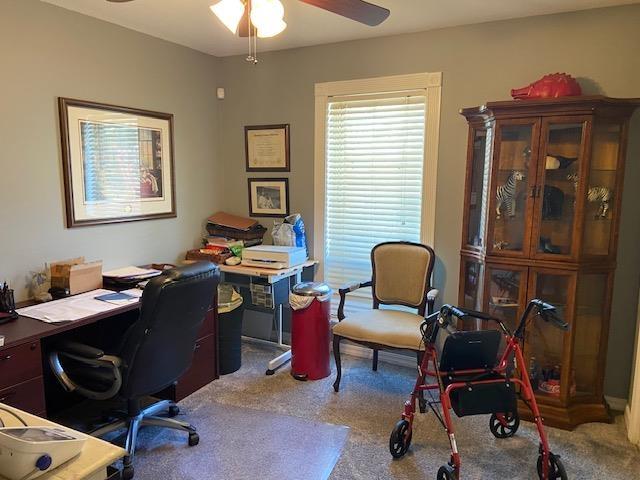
[
  {"x": 128, "y": 272},
  {"x": 70, "y": 308}
]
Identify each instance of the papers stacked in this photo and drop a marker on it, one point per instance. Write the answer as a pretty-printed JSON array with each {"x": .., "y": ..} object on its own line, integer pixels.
[
  {"x": 73, "y": 308},
  {"x": 132, "y": 273}
]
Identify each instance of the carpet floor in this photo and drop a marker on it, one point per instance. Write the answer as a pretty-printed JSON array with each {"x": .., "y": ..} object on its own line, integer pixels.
[{"x": 370, "y": 403}]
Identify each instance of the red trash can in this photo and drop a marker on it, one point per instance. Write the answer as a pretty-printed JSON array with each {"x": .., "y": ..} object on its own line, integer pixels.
[{"x": 310, "y": 330}]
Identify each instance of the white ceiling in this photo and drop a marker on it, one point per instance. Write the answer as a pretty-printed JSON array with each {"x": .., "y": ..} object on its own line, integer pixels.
[{"x": 191, "y": 23}]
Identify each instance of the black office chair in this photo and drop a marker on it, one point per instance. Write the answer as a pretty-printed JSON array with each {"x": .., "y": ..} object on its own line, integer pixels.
[{"x": 156, "y": 350}]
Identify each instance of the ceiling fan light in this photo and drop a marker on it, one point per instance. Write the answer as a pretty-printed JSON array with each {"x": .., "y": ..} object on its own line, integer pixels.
[
  {"x": 267, "y": 14},
  {"x": 229, "y": 12},
  {"x": 272, "y": 30}
]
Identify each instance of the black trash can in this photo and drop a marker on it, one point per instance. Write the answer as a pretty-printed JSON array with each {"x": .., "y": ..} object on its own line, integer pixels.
[{"x": 230, "y": 312}]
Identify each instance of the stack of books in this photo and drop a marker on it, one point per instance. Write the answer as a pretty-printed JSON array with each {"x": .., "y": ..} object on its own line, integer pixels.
[{"x": 226, "y": 236}]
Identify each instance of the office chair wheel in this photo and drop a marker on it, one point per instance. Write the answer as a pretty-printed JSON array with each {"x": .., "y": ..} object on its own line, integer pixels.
[
  {"x": 174, "y": 410},
  {"x": 501, "y": 430},
  {"x": 556, "y": 468},
  {"x": 270, "y": 372},
  {"x": 446, "y": 472},
  {"x": 127, "y": 472},
  {"x": 194, "y": 439},
  {"x": 400, "y": 439}
]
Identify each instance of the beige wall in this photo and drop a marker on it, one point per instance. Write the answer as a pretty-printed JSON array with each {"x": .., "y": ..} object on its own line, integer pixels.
[
  {"x": 479, "y": 63},
  {"x": 48, "y": 52}
]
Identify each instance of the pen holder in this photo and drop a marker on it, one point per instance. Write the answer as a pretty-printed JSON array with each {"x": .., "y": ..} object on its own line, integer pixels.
[{"x": 7, "y": 306}]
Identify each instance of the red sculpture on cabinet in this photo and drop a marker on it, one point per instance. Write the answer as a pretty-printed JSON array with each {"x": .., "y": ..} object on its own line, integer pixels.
[{"x": 550, "y": 86}]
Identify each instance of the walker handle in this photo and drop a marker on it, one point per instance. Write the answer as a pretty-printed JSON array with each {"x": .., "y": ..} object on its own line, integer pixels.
[
  {"x": 461, "y": 313},
  {"x": 548, "y": 314}
]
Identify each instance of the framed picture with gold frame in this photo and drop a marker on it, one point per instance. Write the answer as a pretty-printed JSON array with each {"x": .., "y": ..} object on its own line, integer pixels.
[
  {"x": 267, "y": 148},
  {"x": 117, "y": 163}
]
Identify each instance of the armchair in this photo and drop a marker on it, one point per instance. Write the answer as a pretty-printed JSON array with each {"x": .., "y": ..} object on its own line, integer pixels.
[
  {"x": 156, "y": 350},
  {"x": 401, "y": 276}
]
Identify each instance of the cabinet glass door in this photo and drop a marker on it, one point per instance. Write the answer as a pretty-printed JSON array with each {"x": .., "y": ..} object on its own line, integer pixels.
[
  {"x": 515, "y": 152},
  {"x": 588, "y": 351},
  {"x": 559, "y": 171},
  {"x": 478, "y": 181},
  {"x": 471, "y": 284},
  {"x": 600, "y": 206},
  {"x": 505, "y": 294},
  {"x": 544, "y": 343}
]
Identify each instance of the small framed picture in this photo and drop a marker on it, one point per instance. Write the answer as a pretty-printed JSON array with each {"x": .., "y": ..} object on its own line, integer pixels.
[
  {"x": 267, "y": 148},
  {"x": 117, "y": 163},
  {"x": 268, "y": 197}
]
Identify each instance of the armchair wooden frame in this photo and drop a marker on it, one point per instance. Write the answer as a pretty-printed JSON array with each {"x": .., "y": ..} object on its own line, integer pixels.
[{"x": 425, "y": 307}]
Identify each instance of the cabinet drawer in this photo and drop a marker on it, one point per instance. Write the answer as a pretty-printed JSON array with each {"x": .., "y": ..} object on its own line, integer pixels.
[
  {"x": 202, "y": 370},
  {"x": 208, "y": 326},
  {"x": 27, "y": 396},
  {"x": 19, "y": 364}
]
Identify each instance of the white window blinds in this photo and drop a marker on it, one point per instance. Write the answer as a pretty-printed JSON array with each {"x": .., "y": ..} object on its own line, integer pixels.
[{"x": 374, "y": 169}]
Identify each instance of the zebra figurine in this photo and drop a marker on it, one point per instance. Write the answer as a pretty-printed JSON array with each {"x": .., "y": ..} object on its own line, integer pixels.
[
  {"x": 603, "y": 195},
  {"x": 506, "y": 194}
]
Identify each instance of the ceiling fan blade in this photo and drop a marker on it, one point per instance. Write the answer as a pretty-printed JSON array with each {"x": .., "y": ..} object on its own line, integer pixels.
[{"x": 358, "y": 10}]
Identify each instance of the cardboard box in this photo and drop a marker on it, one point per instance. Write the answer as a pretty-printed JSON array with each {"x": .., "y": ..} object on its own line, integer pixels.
[{"x": 76, "y": 275}]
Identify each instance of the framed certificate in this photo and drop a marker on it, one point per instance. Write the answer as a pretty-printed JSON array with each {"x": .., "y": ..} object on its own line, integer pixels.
[{"x": 267, "y": 148}]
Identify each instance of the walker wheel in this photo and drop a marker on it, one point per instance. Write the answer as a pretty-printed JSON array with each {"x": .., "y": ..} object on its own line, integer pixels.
[
  {"x": 556, "y": 469},
  {"x": 400, "y": 439},
  {"x": 507, "y": 430},
  {"x": 446, "y": 472}
]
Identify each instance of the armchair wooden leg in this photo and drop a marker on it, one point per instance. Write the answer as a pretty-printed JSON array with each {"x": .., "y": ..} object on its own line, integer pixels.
[
  {"x": 375, "y": 360},
  {"x": 336, "y": 356}
]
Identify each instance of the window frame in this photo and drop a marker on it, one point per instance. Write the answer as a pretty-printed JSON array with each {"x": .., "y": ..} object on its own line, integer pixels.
[{"x": 430, "y": 85}]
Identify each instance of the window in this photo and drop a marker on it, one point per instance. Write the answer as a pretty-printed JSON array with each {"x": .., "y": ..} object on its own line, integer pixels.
[{"x": 370, "y": 171}]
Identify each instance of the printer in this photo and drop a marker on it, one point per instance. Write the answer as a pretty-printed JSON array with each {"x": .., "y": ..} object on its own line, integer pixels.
[{"x": 273, "y": 256}]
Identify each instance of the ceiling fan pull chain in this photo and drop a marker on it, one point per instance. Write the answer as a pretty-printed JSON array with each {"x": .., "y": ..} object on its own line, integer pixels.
[{"x": 255, "y": 47}]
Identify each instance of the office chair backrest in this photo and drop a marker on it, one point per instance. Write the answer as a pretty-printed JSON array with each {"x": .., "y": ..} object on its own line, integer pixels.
[
  {"x": 159, "y": 347},
  {"x": 402, "y": 274}
]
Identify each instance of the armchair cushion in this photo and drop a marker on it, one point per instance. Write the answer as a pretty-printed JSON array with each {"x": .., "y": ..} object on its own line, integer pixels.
[{"x": 392, "y": 328}]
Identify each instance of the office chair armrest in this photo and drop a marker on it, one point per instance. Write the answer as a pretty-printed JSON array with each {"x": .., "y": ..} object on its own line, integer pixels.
[
  {"x": 432, "y": 295},
  {"x": 344, "y": 289},
  {"x": 79, "y": 349},
  {"x": 73, "y": 350}
]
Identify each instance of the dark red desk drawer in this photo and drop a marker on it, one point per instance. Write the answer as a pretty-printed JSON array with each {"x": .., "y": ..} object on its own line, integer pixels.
[
  {"x": 19, "y": 364},
  {"x": 202, "y": 370},
  {"x": 27, "y": 396},
  {"x": 209, "y": 325}
]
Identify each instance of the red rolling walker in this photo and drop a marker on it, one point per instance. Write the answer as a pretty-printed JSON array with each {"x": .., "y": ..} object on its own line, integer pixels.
[{"x": 471, "y": 382}]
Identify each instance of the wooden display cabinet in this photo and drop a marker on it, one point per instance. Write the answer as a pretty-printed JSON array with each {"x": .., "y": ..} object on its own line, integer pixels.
[{"x": 541, "y": 214}]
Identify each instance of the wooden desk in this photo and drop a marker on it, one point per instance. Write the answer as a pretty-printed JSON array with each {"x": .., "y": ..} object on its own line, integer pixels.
[
  {"x": 92, "y": 462},
  {"x": 23, "y": 361}
]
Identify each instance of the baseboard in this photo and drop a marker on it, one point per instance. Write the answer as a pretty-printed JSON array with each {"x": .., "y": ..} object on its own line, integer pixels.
[
  {"x": 383, "y": 356},
  {"x": 617, "y": 404}
]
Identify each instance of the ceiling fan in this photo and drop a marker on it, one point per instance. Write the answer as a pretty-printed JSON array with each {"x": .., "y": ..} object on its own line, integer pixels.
[{"x": 265, "y": 18}]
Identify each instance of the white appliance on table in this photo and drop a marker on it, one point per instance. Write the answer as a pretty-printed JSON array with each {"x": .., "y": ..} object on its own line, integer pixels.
[
  {"x": 28, "y": 452},
  {"x": 273, "y": 256}
]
